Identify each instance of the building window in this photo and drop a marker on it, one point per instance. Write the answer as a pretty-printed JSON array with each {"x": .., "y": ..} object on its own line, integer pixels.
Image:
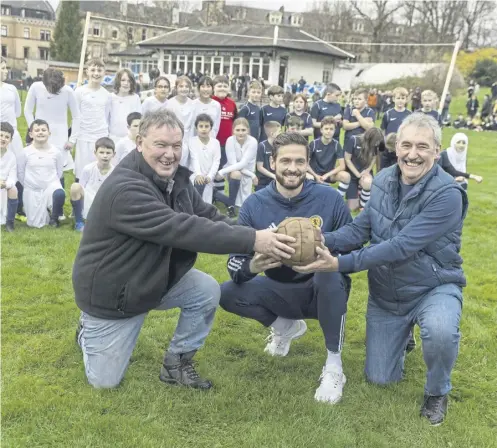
[
  {"x": 115, "y": 46},
  {"x": 255, "y": 67},
  {"x": 5, "y": 11},
  {"x": 4, "y": 51},
  {"x": 326, "y": 76},
  {"x": 27, "y": 33},
  {"x": 216, "y": 65},
  {"x": 45, "y": 35},
  {"x": 236, "y": 66},
  {"x": 167, "y": 65},
  {"x": 44, "y": 54},
  {"x": 198, "y": 64},
  {"x": 144, "y": 33},
  {"x": 96, "y": 29},
  {"x": 4, "y": 30},
  {"x": 265, "y": 68},
  {"x": 114, "y": 34},
  {"x": 26, "y": 52},
  {"x": 130, "y": 35}
]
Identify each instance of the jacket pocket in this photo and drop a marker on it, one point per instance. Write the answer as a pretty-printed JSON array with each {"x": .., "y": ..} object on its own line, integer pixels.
[{"x": 122, "y": 299}]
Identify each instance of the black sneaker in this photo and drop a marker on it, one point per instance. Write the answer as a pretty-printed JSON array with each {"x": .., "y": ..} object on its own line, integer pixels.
[
  {"x": 9, "y": 226},
  {"x": 411, "y": 343},
  {"x": 179, "y": 370},
  {"x": 231, "y": 212},
  {"x": 435, "y": 408},
  {"x": 54, "y": 221}
]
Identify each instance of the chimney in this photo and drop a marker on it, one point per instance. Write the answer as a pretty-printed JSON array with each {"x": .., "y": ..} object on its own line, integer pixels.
[{"x": 123, "y": 5}]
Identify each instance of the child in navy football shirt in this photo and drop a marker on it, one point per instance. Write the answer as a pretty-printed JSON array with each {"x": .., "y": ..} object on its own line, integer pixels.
[
  {"x": 264, "y": 171},
  {"x": 300, "y": 111},
  {"x": 391, "y": 122},
  {"x": 251, "y": 111},
  {"x": 328, "y": 106},
  {"x": 324, "y": 154},
  {"x": 274, "y": 111},
  {"x": 359, "y": 118},
  {"x": 428, "y": 101}
]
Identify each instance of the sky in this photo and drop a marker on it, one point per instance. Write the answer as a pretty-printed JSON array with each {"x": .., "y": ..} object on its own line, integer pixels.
[{"x": 290, "y": 5}]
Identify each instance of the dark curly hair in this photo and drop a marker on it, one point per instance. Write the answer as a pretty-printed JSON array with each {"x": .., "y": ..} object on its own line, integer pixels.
[{"x": 53, "y": 80}]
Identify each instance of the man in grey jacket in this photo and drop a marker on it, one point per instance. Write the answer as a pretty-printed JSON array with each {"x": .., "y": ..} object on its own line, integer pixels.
[
  {"x": 413, "y": 222},
  {"x": 140, "y": 243}
]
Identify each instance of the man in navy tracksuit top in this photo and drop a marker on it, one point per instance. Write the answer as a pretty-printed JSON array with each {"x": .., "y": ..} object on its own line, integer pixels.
[{"x": 282, "y": 298}]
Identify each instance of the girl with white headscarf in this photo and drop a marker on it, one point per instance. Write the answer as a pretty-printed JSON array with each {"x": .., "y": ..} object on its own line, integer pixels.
[{"x": 453, "y": 161}]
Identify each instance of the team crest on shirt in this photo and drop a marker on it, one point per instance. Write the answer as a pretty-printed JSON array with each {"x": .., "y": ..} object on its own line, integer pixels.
[{"x": 317, "y": 221}]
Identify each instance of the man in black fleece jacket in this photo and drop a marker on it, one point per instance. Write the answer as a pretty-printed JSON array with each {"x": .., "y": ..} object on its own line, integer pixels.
[{"x": 140, "y": 242}]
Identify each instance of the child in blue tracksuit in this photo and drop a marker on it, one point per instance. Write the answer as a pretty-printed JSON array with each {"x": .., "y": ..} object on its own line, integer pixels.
[{"x": 283, "y": 297}]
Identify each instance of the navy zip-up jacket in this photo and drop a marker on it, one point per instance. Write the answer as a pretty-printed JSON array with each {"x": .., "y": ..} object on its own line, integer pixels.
[{"x": 267, "y": 208}]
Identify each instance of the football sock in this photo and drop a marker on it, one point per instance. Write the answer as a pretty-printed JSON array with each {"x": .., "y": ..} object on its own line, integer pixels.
[
  {"x": 58, "y": 198},
  {"x": 365, "y": 195},
  {"x": 282, "y": 325},
  {"x": 20, "y": 205},
  {"x": 234, "y": 187},
  {"x": 342, "y": 188},
  {"x": 334, "y": 359},
  {"x": 77, "y": 207},
  {"x": 11, "y": 209}
]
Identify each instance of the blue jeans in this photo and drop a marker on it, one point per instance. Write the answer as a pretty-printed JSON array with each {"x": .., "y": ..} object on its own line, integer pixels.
[
  {"x": 438, "y": 314},
  {"x": 107, "y": 344}
]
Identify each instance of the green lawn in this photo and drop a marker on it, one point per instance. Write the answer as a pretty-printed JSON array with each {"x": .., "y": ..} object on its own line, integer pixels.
[{"x": 257, "y": 401}]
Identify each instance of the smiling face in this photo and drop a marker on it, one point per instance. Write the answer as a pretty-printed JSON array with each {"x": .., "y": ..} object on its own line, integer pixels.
[
  {"x": 205, "y": 91},
  {"x": 40, "y": 134},
  {"x": 95, "y": 74},
  {"x": 460, "y": 146},
  {"x": 5, "y": 139},
  {"x": 161, "y": 148},
  {"x": 290, "y": 166},
  {"x": 104, "y": 156},
  {"x": 161, "y": 90},
  {"x": 221, "y": 90},
  {"x": 416, "y": 153},
  {"x": 183, "y": 89}
]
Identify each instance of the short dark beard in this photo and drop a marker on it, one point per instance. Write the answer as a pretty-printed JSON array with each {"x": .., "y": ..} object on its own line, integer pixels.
[{"x": 281, "y": 180}]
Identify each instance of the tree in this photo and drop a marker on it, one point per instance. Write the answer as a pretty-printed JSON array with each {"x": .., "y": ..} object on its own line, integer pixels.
[
  {"x": 67, "y": 38},
  {"x": 475, "y": 13},
  {"x": 485, "y": 72}
]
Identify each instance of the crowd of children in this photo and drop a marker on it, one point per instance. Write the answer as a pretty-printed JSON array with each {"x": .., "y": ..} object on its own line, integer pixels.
[{"x": 221, "y": 143}]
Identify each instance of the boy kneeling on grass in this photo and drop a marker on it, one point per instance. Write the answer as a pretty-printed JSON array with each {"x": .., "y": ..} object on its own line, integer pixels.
[
  {"x": 83, "y": 192},
  {"x": 40, "y": 169},
  {"x": 8, "y": 178}
]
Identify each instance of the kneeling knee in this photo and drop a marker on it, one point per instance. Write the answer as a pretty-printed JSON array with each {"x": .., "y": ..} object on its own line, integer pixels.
[
  {"x": 344, "y": 177},
  {"x": 379, "y": 380},
  {"x": 235, "y": 175},
  {"x": 12, "y": 193}
]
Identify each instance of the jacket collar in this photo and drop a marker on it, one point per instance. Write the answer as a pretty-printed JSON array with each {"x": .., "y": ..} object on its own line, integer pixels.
[{"x": 395, "y": 179}]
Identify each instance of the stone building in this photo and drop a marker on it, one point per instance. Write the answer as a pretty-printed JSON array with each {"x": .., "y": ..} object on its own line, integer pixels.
[{"x": 26, "y": 30}]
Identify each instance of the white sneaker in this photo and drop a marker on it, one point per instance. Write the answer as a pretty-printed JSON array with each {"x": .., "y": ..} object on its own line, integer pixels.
[
  {"x": 279, "y": 344},
  {"x": 331, "y": 387}
]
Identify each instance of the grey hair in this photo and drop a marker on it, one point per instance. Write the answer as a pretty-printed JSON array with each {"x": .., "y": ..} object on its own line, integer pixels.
[
  {"x": 421, "y": 120},
  {"x": 158, "y": 119},
  {"x": 289, "y": 138}
]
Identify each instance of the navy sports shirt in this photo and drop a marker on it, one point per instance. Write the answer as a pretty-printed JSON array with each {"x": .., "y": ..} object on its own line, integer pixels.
[
  {"x": 305, "y": 117},
  {"x": 267, "y": 208},
  {"x": 270, "y": 113},
  {"x": 264, "y": 152},
  {"x": 433, "y": 113},
  {"x": 253, "y": 115},
  {"x": 347, "y": 115},
  {"x": 321, "y": 109},
  {"x": 323, "y": 158},
  {"x": 393, "y": 119}
]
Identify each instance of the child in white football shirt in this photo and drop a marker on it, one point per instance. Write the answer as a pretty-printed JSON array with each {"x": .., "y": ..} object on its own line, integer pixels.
[
  {"x": 162, "y": 87},
  {"x": 8, "y": 178},
  {"x": 128, "y": 143},
  {"x": 40, "y": 170},
  {"x": 204, "y": 104},
  {"x": 205, "y": 154},
  {"x": 123, "y": 102},
  {"x": 241, "y": 152},
  {"x": 94, "y": 106},
  {"x": 52, "y": 99},
  {"x": 182, "y": 106},
  {"x": 83, "y": 192}
]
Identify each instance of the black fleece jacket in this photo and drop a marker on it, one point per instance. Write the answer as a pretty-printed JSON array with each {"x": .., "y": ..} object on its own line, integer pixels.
[{"x": 142, "y": 235}]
